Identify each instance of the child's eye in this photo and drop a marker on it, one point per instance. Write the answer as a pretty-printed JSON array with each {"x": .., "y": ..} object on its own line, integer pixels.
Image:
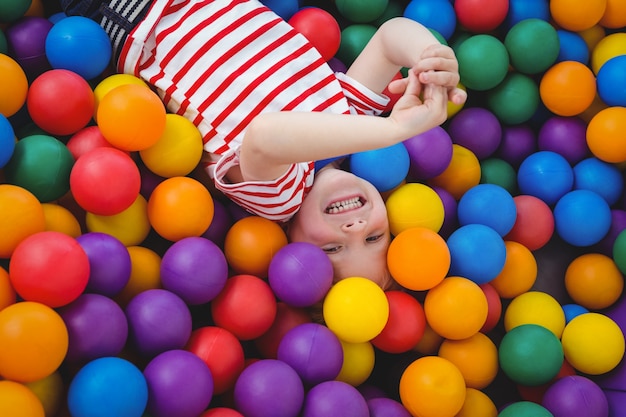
[
  {"x": 371, "y": 239},
  {"x": 332, "y": 249}
]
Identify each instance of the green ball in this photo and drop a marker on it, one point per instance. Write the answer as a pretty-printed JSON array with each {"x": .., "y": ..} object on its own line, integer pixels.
[
  {"x": 525, "y": 409},
  {"x": 41, "y": 164},
  {"x": 619, "y": 251},
  {"x": 533, "y": 45},
  {"x": 393, "y": 9},
  {"x": 12, "y": 10},
  {"x": 499, "y": 172},
  {"x": 353, "y": 40},
  {"x": 515, "y": 100},
  {"x": 530, "y": 355},
  {"x": 361, "y": 11},
  {"x": 4, "y": 46},
  {"x": 483, "y": 62}
]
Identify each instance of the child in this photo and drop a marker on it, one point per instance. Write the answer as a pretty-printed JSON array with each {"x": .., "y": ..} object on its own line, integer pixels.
[{"x": 268, "y": 106}]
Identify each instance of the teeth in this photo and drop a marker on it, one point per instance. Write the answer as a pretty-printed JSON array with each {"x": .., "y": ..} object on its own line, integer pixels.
[{"x": 349, "y": 204}]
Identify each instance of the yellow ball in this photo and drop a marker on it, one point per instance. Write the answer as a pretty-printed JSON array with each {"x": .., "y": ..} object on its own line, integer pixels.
[
  {"x": 535, "y": 307},
  {"x": 519, "y": 272},
  {"x": 356, "y": 309},
  {"x": 109, "y": 83},
  {"x": 60, "y": 219},
  {"x": 593, "y": 343},
  {"x": 414, "y": 205},
  {"x": 177, "y": 152},
  {"x": 16, "y": 400},
  {"x": 50, "y": 391},
  {"x": 358, "y": 362},
  {"x": 455, "y": 108},
  {"x": 432, "y": 386},
  {"x": 462, "y": 173},
  {"x": 592, "y": 36},
  {"x": 131, "y": 226},
  {"x": 594, "y": 281},
  {"x": 608, "y": 47},
  {"x": 145, "y": 273},
  {"x": 477, "y": 404},
  {"x": 476, "y": 357}
]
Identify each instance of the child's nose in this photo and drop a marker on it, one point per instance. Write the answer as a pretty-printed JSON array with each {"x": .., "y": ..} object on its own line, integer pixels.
[{"x": 354, "y": 226}]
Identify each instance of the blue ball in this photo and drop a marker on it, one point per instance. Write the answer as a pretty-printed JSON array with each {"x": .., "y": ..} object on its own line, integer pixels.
[
  {"x": 438, "y": 15},
  {"x": 599, "y": 176},
  {"x": 526, "y": 9},
  {"x": 384, "y": 168},
  {"x": 573, "y": 310},
  {"x": 477, "y": 252},
  {"x": 108, "y": 386},
  {"x": 78, "y": 44},
  {"x": 546, "y": 175},
  {"x": 572, "y": 47},
  {"x": 7, "y": 140},
  {"x": 283, "y": 8},
  {"x": 490, "y": 205},
  {"x": 611, "y": 81},
  {"x": 582, "y": 218}
]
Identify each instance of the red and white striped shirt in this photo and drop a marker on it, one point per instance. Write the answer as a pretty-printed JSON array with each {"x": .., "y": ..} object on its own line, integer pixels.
[{"x": 222, "y": 62}]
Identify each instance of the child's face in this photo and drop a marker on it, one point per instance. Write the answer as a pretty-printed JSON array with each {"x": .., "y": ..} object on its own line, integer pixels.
[{"x": 346, "y": 217}]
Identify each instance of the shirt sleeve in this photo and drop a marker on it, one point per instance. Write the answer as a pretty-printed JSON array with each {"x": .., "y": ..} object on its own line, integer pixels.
[{"x": 361, "y": 99}]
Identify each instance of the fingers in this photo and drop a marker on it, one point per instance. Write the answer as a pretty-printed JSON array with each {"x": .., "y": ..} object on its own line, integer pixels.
[
  {"x": 397, "y": 86},
  {"x": 457, "y": 96}
]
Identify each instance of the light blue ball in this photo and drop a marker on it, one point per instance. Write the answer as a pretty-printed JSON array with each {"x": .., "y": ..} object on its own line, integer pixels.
[
  {"x": 438, "y": 15},
  {"x": 601, "y": 177},
  {"x": 573, "y": 310},
  {"x": 546, "y": 175},
  {"x": 572, "y": 47},
  {"x": 611, "y": 80},
  {"x": 526, "y": 9},
  {"x": 582, "y": 218},
  {"x": 384, "y": 168},
  {"x": 490, "y": 205},
  {"x": 7, "y": 140}
]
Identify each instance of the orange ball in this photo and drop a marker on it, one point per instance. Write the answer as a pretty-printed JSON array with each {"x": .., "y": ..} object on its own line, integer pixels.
[
  {"x": 477, "y": 403},
  {"x": 606, "y": 135},
  {"x": 418, "y": 258},
  {"x": 576, "y": 15},
  {"x": 22, "y": 216},
  {"x": 594, "y": 281},
  {"x": 7, "y": 292},
  {"x": 17, "y": 400},
  {"x": 251, "y": 243},
  {"x": 13, "y": 86},
  {"x": 180, "y": 207},
  {"x": 60, "y": 219},
  {"x": 463, "y": 172},
  {"x": 145, "y": 273},
  {"x": 568, "y": 88},
  {"x": 476, "y": 357},
  {"x": 519, "y": 272},
  {"x": 131, "y": 117},
  {"x": 614, "y": 15}
]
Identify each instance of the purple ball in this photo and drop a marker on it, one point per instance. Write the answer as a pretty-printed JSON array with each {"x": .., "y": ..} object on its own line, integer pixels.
[
  {"x": 96, "y": 326},
  {"x": 518, "y": 142},
  {"x": 575, "y": 395},
  {"x": 476, "y": 129},
  {"x": 149, "y": 181},
  {"x": 617, "y": 402},
  {"x": 300, "y": 274},
  {"x": 195, "y": 269},
  {"x": 180, "y": 384},
  {"x": 335, "y": 399},
  {"x": 430, "y": 153},
  {"x": 221, "y": 223},
  {"x": 618, "y": 225},
  {"x": 314, "y": 351},
  {"x": 269, "y": 387},
  {"x": 26, "y": 39},
  {"x": 566, "y": 136},
  {"x": 386, "y": 407},
  {"x": 158, "y": 320},
  {"x": 109, "y": 263},
  {"x": 450, "y": 206},
  {"x": 336, "y": 65}
]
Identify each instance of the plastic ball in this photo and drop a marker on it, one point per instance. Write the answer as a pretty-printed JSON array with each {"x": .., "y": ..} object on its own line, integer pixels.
[
  {"x": 180, "y": 207},
  {"x": 49, "y": 267},
  {"x": 573, "y": 310},
  {"x": 105, "y": 181},
  {"x": 17, "y": 400},
  {"x": 158, "y": 320},
  {"x": 535, "y": 307},
  {"x": 593, "y": 343},
  {"x": 438, "y": 15},
  {"x": 50, "y": 391},
  {"x": 179, "y": 384},
  {"x": 251, "y": 243},
  {"x": 55, "y": 111},
  {"x": 12, "y": 10},
  {"x": 221, "y": 351},
  {"x": 430, "y": 153},
  {"x": 96, "y": 326},
  {"x": 287, "y": 318},
  {"x": 480, "y": 16},
  {"x": 533, "y": 45},
  {"x": 525, "y": 409},
  {"x": 334, "y": 399},
  {"x": 515, "y": 100},
  {"x": 27, "y": 43},
  {"x": 490, "y": 205},
  {"x": 575, "y": 16},
  {"x": 356, "y": 309},
  {"x": 22, "y": 216},
  {"x": 300, "y": 274},
  {"x": 477, "y": 252},
  {"x": 357, "y": 12},
  {"x": 7, "y": 293},
  {"x": 269, "y": 387},
  {"x": 601, "y": 177},
  {"x": 109, "y": 263},
  {"x": 476, "y": 357},
  {"x": 14, "y": 86},
  {"x": 614, "y": 15},
  {"x": 461, "y": 174},
  {"x": 530, "y": 355},
  {"x": 41, "y": 164},
  {"x": 605, "y": 136},
  {"x": 546, "y": 175},
  {"x": 483, "y": 62},
  {"x": 418, "y": 258},
  {"x": 384, "y": 168},
  {"x": 85, "y": 140},
  {"x": 534, "y": 225},
  {"x": 498, "y": 172},
  {"x": 414, "y": 205},
  {"x": 517, "y": 143},
  {"x": 568, "y": 88},
  {"x": 456, "y": 308},
  {"x": 308, "y": 22},
  {"x": 612, "y": 82},
  {"x": 386, "y": 407},
  {"x": 435, "y": 378},
  {"x": 353, "y": 39},
  {"x": 477, "y": 403},
  {"x": 476, "y": 129},
  {"x": 246, "y": 307},
  {"x": 130, "y": 226},
  {"x": 313, "y": 351},
  {"x": 450, "y": 222},
  {"x": 582, "y": 218},
  {"x": 34, "y": 341},
  {"x": 565, "y": 136},
  {"x": 405, "y": 326},
  {"x": 106, "y": 386},
  {"x": 60, "y": 219},
  {"x": 526, "y": 9},
  {"x": 144, "y": 273},
  {"x": 131, "y": 117},
  {"x": 572, "y": 47},
  {"x": 494, "y": 308},
  {"x": 575, "y": 394},
  {"x": 79, "y": 44},
  {"x": 7, "y": 141},
  {"x": 519, "y": 272},
  {"x": 358, "y": 363},
  {"x": 607, "y": 47}
]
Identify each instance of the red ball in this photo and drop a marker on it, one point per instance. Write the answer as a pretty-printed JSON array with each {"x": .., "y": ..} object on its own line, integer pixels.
[
  {"x": 405, "y": 326},
  {"x": 287, "y": 317},
  {"x": 85, "y": 140},
  {"x": 534, "y": 225},
  {"x": 494, "y": 307},
  {"x": 246, "y": 307},
  {"x": 60, "y": 102},
  {"x": 105, "y": 181},
  {"x": 50, "y": 268},
  {"x": 481, "y": 16},
  {"x": 320, "y": 28}
]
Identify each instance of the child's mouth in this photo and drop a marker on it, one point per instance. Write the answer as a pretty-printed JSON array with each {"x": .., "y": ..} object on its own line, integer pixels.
[{"x": 345, "y": 205}]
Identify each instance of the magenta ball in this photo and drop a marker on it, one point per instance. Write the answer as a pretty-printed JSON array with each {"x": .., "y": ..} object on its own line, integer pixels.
[
  {"x": 195, "y": 269},
  {"x": 26, "y": 39},
  {"x": 517, "y": 143},
  {"x": 269, "y": 387},
  {"x": 300, "y": 274},
  {"x": 430, "y": 153},
  {"x": 109, "y": 263},
  {"x": 575, "y": 395},
  {"x": 386, "y": 407},
  {"x": 179, "y": 384},
  {"x": 476, "y": 129},
  {"x": 566, "y": 136},
  {"x": 96, "y": 326},
  {"x": 335, "y": 399},
  {"x": 314, "y": 351},
  {"x": 158, "y": 320}
]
